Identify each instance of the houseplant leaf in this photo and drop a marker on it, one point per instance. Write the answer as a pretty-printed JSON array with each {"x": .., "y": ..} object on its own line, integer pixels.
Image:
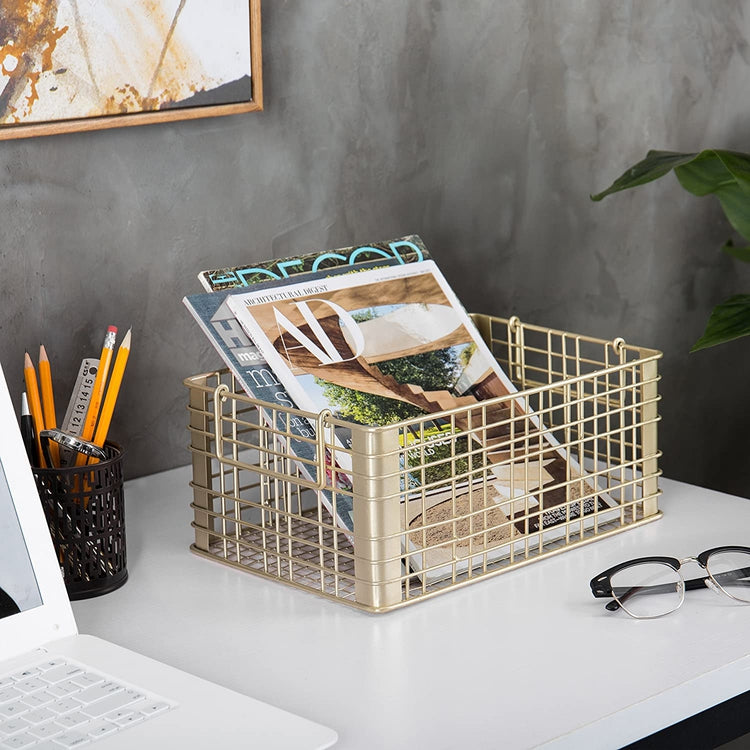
[
  {"x": 729, "y": 320},
  {"x": 655, "y": 165},
  {"x": 725, "y": 174},
  {"x": 741, "y": 253}
]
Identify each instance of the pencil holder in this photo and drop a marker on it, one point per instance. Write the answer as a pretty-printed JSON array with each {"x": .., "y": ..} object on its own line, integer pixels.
[{"x": 85, "y": 511}]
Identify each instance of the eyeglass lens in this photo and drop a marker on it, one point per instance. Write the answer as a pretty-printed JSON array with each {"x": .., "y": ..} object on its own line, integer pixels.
[
  {"x": 648, "y": 589},
  {"x": 730, "y": 571}
]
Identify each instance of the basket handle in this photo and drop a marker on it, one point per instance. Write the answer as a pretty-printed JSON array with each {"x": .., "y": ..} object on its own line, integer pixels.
[{"x": 221, "y": 394}]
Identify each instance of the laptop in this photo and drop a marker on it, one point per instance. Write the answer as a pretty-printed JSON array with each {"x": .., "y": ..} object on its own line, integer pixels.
[{"x": 62, "y": 689}]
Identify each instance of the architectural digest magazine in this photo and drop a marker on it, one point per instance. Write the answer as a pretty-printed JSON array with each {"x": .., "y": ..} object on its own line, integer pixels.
[{"x": 392, "y": 344}]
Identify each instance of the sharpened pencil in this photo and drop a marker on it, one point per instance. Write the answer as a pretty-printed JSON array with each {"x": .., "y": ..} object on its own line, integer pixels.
[
  {"x": 113, "y": 390},
  {"x": 48, "y": 400},
  {"x": 98, "y": 391},
  {"x": 35, "y": 404}
]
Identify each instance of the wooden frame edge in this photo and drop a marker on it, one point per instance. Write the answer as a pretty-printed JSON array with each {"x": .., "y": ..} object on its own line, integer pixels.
[{"x": 106, "y": 122}]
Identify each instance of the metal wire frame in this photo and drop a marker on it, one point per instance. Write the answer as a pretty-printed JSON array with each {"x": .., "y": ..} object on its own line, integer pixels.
[{"x": 427, "y": 513}]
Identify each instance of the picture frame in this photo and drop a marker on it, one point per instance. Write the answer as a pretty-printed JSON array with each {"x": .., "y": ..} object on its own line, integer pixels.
[{"x": 81, "y": 65}]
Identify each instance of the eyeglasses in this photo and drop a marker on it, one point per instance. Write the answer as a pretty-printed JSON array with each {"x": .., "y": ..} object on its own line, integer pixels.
[{"x": 650, "y": 587}]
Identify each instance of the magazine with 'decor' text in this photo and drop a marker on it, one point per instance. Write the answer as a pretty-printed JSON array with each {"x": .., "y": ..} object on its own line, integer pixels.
[{"x": 402, "y": 250}]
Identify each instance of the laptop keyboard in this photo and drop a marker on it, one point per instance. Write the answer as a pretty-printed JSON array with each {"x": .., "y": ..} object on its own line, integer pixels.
[{"x": 59, "y": 703}]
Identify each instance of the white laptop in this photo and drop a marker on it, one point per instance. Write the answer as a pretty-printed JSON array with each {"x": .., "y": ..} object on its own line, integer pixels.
[{"x": 61, "y": 689}]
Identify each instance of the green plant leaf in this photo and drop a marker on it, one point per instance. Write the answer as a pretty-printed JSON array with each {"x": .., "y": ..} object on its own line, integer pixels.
[
  {"x": 725, "y": 174},
  {"x": 729, "y": 320},
  {"x": 655, "y": 165},
  {"x": 741, "y": 253}
]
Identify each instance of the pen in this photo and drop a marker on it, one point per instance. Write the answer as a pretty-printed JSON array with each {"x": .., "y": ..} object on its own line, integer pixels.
[
  {"x": 113, "y": 390},
  {"x": 98, "y": 390},
  {"x": 35, "y": 405},
  {"x": 27, "y": 430},
  {"x": 48, "y": 400}
]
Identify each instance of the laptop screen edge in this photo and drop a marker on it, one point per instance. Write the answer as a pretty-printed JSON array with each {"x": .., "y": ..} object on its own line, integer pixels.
[{"x": 54, "y": 618}]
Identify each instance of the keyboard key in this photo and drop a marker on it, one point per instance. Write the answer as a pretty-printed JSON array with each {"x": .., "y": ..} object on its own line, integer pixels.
[
  {"x": 39, "y": 715},
  {"x": 9, "y": 694},
  {"x": 93, "y": 693},
  {"x": 85, "y": 679},
  {"x": 102, "y": 729},
  {"x": 64, "y": 705},
  {"x": 72, "y": 720},
  {"x": 120, "y": 713},
  {"x": 11, "y": 726},
  {"x": 61, "y": 689},
  {"x": 30, "y": 684},
  {"x": 130, "y": 720},
  {"x": 44, "y": 731},
  {"x": 72, "y": 739},
  {"x": 40, "y": 698},
  {"x": 11, "y": 710},
  {"x": 61, "y": 672},
  {"x": 153, "y": 707},
  {"x": 108, "y": 704},
  {"x": 50, "y": 664},
  {"x": 143, "y": 705},
  {"x": 26, "y": 673},
  {"x": 18, "y": 741}
]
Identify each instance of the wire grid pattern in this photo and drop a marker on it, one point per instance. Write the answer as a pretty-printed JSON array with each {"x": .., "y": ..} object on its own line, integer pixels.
[{"x": 439, "y": 501}]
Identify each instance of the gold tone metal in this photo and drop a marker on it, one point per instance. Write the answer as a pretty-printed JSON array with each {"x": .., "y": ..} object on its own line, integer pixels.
[
  {"x": 377, "y": 518},
  {"x": 200, "y": 446},
  {"x": 427, "y": 517},
  {"x": 649, "y": 420},
  {"x": 223, "y": 393}
]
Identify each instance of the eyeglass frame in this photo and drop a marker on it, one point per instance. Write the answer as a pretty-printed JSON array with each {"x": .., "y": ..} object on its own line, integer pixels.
[{"x": 601, "y": 585}]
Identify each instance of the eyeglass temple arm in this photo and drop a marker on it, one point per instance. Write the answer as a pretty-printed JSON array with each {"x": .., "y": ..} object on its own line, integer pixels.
[{"x": 736, "y": 576}]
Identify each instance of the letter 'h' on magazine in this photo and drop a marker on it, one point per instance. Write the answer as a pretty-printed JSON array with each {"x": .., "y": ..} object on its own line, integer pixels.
[{"x": 390, "y": 344}]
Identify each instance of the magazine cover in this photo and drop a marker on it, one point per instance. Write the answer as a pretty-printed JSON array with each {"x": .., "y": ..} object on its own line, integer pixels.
[
  {"x": 394, "y": 343},
  {"x": 403, "y": 250},
  {"x": 247, "y": 363}
]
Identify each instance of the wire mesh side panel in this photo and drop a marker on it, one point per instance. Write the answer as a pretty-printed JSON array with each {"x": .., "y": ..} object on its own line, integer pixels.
[
  {"x": 380, "y": 517},
  {"x": 258, "y": 504},
  {"x": 569, "y": 458}
]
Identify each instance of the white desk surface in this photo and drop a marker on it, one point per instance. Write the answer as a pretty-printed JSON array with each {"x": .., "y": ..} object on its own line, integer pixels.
[{"x": 520, "y": 660}]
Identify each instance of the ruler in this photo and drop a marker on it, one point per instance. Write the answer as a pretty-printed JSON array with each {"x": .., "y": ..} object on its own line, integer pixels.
[{"x": 75, "y": 416}]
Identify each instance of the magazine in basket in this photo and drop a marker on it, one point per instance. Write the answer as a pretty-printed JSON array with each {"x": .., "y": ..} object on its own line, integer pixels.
[
  {"x": 409, "y": 249},
  {"x": 248, "y": 364},
  {"x": 387, "y": 345}
]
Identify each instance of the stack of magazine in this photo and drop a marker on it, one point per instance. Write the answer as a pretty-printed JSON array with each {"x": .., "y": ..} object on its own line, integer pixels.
[{"x": 375, "y": 334}]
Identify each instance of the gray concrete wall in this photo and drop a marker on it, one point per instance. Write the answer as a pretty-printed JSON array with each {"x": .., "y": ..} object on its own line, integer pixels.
[{"x": 481, "y": 125}]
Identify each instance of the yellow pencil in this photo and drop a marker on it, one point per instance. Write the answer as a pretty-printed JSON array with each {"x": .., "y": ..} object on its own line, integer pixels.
[
  {"x": 97, "y": 392},
  {"x": 113, "y": 390},
  {"x": 48, "y": 401},
  {"x": 35, "y": 404}
]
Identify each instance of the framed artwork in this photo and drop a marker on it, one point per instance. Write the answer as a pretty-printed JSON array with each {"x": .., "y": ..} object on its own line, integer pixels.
[{"x": 68, "y": 65}]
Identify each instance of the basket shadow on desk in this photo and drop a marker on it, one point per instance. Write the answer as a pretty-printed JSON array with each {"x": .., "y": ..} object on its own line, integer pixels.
[
  {"x": 85, "y": 511},
  {"x": 382, "y": 517}
]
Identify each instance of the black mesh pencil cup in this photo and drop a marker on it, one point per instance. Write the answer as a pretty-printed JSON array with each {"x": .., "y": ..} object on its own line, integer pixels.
[{"x": 85, "y": 511}]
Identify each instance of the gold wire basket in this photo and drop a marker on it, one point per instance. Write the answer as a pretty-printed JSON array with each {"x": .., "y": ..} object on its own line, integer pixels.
[{"x": 423, "y": 499}]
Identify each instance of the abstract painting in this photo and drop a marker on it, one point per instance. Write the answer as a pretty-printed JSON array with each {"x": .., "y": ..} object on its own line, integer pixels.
[{"x": 88, "y": 64}]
